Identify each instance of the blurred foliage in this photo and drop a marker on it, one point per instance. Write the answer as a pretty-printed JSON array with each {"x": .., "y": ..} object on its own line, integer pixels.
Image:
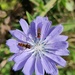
[
  {"x": 7, "y": 4},
  {"x": 58, "y": 11}
]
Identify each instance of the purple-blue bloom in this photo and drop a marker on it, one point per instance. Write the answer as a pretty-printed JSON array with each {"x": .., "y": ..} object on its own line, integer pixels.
[{"x": 38, "y": 48}]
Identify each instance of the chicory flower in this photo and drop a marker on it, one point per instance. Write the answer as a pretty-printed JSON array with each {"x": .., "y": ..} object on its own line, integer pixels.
[{"x": 39, "y": 47}]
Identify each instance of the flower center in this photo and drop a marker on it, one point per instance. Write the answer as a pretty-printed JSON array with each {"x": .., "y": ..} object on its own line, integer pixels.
[{"x": 39, "y": 47}]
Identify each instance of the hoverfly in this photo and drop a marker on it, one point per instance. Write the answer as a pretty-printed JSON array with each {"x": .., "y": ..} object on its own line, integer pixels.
[
  {"x": 24, "y": 45},
  {"x": 38, "y": 33}
]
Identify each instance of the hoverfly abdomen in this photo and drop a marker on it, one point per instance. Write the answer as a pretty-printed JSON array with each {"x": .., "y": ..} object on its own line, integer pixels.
[
  {"x": 38, "y": 33},
  {"x": 24, "y": 45}
]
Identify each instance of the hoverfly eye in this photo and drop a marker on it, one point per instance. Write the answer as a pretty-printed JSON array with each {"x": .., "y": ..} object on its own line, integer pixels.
[{"x": 19, "y": 44}]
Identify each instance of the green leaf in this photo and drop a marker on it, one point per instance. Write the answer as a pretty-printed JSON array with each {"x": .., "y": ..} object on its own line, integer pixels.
[
  {"x": 70, "y": 6},
  {"x": 68, "y": 26},
  {"x": 16, "y": 25},
  {"x": 47, "y": 7},
  {"x": 29, "y": 17},
  {"x": 69, "y": 72},
  {"x": 4, "y": 6},
  {"x": 63, "y": 2},
  {"x": 35, "y": 2}
]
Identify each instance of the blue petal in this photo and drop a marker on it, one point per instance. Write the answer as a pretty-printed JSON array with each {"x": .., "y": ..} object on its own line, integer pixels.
[
  {"x": 38, "y": 66},
  {"x": 45, "y": 29},
  {"x": 39, "y": 22},
  {"x": 55, "y": 31},
  {"x": 40, "y": 19},
  {"x": 60, "y": 61},
  {"x": 29, "y": 66},
  {"x": 22, "y": 56},
  {"x": 19, "y": 65},
  {"x": 62, "y": 52},
  {"x": 19, "y": 35},
  {"x": 24, "y": 25},
  {"x": 32, "y": 30},
  {"x": 12, "y": 57},
  {"x": 47, "y": 65},
  {"x": 12, "y": 43},
  {"x": 20, "y": 61},
  {"x": 57, "y": 45},
  {"x": 55, "y": 70},
  {"x": 61, "y": 38},
  {"x": 58, "y": 38}
]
